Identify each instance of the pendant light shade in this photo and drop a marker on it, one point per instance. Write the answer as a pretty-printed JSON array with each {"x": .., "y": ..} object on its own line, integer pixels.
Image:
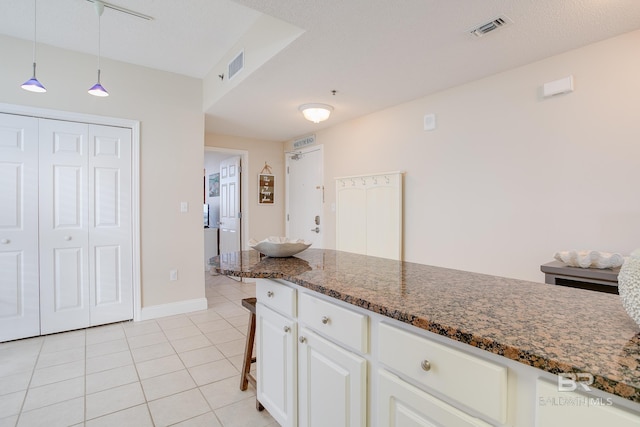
[
  {"x": 33, "y": 85},
  {"x": 316, "y": 113},
  {"x": 97, "y": 89}
]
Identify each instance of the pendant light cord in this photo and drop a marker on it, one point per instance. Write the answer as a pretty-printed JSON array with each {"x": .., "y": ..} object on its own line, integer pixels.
[{"x": 35, "y": 26}]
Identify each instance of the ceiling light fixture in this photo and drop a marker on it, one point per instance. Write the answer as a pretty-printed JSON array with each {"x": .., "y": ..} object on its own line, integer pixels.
[
  {"x": 33, "y": 85},
  {"x": 316, "y": 113},
  {"x": 97, "y": 89}
]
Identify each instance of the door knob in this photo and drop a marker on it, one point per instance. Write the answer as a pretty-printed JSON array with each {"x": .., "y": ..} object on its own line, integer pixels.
[
  {"x": 325, "y": 320},
  {"x": 67, "y": 238},
  {"x": 317, "y": 229}
]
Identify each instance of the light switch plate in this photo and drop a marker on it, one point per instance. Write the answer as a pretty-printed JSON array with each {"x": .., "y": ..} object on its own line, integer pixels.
[
  {"x": 184, "y": 207},
  {"x": 429, "y": 121}
]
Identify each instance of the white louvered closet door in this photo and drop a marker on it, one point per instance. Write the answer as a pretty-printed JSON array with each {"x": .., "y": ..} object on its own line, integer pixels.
[{"x": 19, "y": 297}]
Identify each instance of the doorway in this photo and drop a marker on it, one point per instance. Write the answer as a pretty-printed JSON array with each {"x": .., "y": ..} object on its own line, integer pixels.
[{"x": 216, "y": 242}]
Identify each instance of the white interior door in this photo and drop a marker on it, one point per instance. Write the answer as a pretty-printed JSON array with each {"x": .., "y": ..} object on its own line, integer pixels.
[
  {"x": 305, "y": 194},
  {"x": 64, "y": 230},
  {"x": 19, "y": 298},
  {"x": 230, "y": 205},
  {"x": 110, "y": 248}
]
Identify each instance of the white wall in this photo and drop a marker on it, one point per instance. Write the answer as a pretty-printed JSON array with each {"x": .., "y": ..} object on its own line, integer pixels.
[
  {"x": 508, "y": 178},
  {"x": 169, "y": 108}
]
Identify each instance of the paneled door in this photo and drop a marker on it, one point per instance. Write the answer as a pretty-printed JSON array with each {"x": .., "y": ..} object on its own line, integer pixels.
[
  {"x": 110, "y": 238},
  {"x": 230, "y": 205},
  {"x": 64, "y": 228},
  {"x": 305, "y": 195},
  {"x": 19, "y": 298},
  {"x": 86, "y": 276}
]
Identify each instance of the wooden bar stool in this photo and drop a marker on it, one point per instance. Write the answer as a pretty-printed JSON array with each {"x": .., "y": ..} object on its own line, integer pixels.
[{"x": 246, "y": 377}]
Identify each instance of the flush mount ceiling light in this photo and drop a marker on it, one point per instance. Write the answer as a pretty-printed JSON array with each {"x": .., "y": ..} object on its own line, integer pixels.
[
  {"x": 316, "y": 113},
  {"x": 97, "y": 89},
  {"x": 33, "y": 85}
]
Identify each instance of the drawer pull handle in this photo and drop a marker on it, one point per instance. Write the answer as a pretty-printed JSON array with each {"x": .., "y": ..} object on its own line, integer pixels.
[
  {"x": 287, "y": 329},
  {"x": 67, "y": 238},
  {"x": 302, "y": 340},
  {"x": 5, "y": 241},
  {"x": 270, "y": 294},
  {"x": 325, "y": 320},
  {"x": 425, "y": 365}
]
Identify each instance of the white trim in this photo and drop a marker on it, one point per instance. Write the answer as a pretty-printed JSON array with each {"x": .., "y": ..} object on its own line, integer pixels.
[
  {"x": 173, "y": 308},
  {"x": 134, "y": 125}
]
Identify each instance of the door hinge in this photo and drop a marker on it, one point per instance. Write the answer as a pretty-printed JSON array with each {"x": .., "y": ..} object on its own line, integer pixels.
[
  {"x": 240, "y": 215},
  {"x": 287, "y": 217},
  {"x": 287, "y": 169}
]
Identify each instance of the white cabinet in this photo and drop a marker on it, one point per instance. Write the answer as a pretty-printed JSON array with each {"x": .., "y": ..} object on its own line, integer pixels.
[
  {"x": 75, "y": 210},
  {"x": 332, "y": 383},
  {"x": 276, "y": 355},
  {"x": 303, "y": 378},
  {"x": 403, "y": 405}
]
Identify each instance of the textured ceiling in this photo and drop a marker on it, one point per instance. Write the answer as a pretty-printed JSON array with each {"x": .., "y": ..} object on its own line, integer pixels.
[{"x": 375, "y": 53}]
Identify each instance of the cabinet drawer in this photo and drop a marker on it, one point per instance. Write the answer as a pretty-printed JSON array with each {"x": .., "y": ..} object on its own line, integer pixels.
[
  {"x": 339, "y": 324},
  {"x": 276, "y": 296},
  {"x": 401, "y": 404},
  {"x": 479, "y": 384}
]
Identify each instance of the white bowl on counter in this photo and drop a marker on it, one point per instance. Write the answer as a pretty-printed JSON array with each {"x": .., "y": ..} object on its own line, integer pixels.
[{"x": 279, "y": 247}]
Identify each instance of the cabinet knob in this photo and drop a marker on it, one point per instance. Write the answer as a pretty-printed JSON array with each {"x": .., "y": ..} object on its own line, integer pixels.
[
  {"x": 67, "y": 238},
  {"x": 425, "y": 365},
  {"x": 287, "y": 329},
  {"x": 325, "y": 320},
  {"x": 270, "y": 294},
  {"x": 302, "y": 340},
  {"x": 5, "y": 241}
]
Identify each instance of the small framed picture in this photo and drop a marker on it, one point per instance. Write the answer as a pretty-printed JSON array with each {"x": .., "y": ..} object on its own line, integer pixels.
[{"x": 266, "y": 186}]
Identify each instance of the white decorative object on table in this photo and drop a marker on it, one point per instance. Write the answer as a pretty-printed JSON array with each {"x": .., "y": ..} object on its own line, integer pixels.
[
  {"x": 590, "y": 259},
  {"x": 279, "y": 247},
  {"x": 629, "y": 285}
]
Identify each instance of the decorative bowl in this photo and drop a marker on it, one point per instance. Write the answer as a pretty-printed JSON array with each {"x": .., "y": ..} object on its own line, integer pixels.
[{"x": 279, "y": 247}]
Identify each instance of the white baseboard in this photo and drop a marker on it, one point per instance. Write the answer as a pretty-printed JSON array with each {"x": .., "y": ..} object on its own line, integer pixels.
[{"x": 171, "y": 309}]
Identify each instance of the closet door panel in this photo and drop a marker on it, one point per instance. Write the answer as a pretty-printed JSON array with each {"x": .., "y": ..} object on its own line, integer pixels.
[
  {"x": 19, "y": 298},
  {"x": 64, "y": 261},
  {"x": 110, "y": 239}
]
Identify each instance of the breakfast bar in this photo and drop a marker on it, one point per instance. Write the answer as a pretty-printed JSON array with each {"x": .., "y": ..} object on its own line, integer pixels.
[{"x": 546, "y": 329}]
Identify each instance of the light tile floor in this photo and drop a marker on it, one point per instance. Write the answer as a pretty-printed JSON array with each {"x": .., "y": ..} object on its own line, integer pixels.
[{"x": 181, "y": 370}]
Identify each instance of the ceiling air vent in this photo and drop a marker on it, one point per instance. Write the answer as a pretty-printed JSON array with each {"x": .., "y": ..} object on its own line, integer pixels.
[
  {"x": 236, "y": 65},
  {"x": 490, "y": 26}
]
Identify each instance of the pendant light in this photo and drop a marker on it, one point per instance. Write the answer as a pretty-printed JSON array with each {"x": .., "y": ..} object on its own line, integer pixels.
[
  {"x": 33, "y": 85},
  {"x": 97, "y": 89}
]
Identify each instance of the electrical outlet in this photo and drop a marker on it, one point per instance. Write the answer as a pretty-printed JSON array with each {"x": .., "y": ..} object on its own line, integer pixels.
[{"x": 173, "y": 275}]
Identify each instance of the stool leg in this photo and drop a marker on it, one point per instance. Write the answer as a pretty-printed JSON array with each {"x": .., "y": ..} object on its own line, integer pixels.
[{"x": 248, "y": 352}]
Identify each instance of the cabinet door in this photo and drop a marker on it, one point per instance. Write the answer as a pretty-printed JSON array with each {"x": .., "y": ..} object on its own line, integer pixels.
[
  {"x": 276, "y": 354},
  {"x": 403, "y": 405},
  {"x": 332, "y": 384},
  {"x": 110, "y": 248},
  {"x": 19, "y": 298},
  {"x": 64, "y": 238}
]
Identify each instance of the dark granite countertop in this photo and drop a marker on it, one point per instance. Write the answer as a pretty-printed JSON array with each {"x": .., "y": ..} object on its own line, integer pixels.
[{"x": 553, "y": 328}]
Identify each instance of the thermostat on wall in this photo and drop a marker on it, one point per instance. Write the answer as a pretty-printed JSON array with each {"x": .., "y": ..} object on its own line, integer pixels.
[{"x": 558, "y": 87}]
